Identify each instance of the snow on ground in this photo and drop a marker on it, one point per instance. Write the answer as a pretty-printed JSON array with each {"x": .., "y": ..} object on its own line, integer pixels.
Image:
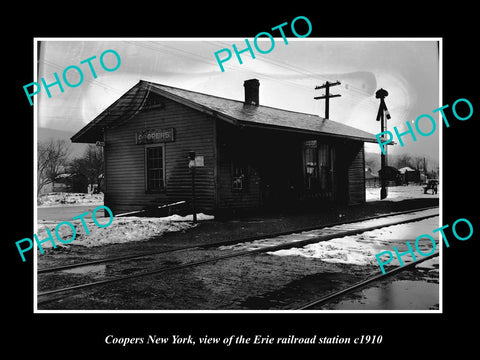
[
  {"x": 361, "y": 249},
  {"x": 69, "y": 199},
  {"x": 200, "y": 217},
  {"x": 399, "y": 193},
  {"x": 130, "y": 228},
  {"x": 395, "y": 193},
  {"x": 344, "y": 250},
  {"x": 121, "y": 230}
]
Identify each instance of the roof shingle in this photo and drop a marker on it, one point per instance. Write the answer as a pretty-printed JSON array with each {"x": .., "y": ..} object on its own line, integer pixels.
[{"x": 234, "y": 111}]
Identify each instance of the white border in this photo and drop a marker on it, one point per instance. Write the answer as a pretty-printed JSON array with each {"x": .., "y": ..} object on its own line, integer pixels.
[{"x": 35, "y": 112}]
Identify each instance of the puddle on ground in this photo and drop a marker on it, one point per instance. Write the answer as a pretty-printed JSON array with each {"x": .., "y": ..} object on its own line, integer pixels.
[
  {"x": 395, "y": 295},
  {"x": 284, "y": 297},
  {"x": 87, "y": 269}
]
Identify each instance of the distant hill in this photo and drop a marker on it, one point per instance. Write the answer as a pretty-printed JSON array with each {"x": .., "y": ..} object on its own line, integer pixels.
[
  {"x": 45, "y": 134},
  {"x": 372, "y": 161}
]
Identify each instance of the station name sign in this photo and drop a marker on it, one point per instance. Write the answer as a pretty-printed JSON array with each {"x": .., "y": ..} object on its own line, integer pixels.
[{"x": 152, "y": 136}]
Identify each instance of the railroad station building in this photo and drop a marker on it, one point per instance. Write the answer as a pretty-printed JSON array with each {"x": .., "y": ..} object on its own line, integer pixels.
[{"x": 247, "y": 156}]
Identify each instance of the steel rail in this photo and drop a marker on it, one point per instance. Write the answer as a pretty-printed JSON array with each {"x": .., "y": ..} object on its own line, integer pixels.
[
  {"x": 221, "y": 243},
  {"x": 360, "y": 284},
  {"x": 299, "y": 243}
]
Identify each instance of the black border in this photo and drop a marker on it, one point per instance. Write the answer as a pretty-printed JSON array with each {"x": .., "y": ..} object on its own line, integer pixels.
[{"x": 83, "y": 334}]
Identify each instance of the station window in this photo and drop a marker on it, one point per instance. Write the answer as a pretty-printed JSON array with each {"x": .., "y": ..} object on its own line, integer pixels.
[
  {"x": 325, "y": 162},
  {"x": 239, "y": 176},
  {"x": 155, "y": 169},
  {"x": 310, "y": 156},
  {"x": 318, "y": 161}
]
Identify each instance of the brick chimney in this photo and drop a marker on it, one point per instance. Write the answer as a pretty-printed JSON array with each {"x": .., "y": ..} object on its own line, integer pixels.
[{"x": 251, "y": 91}]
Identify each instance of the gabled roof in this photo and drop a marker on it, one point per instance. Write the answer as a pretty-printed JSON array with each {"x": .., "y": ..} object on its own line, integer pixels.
[
  {"x": 233, "y": 111},
  {"x": 403, "y": 170}
]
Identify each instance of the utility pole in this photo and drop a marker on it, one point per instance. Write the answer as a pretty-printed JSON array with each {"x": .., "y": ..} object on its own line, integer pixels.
[
  {"x": 382, "y": 111},
  {"x": 327, "y": 95}
]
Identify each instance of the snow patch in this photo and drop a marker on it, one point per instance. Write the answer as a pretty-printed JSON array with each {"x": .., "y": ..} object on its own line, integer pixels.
[
  {"x": 200, "y": 217},
  {"x": 361, "y": 249},
  {"x": 69, "y": 199},
  {"x": 122, "y": 230},
  {"x": 344, "y": 250},
  {"x": 399, "y": 193}
]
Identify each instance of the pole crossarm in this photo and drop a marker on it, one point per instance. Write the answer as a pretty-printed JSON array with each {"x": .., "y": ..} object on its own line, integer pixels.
[
  {"x": 327, "y": 95},
  {"x": 327, "y": 84}
]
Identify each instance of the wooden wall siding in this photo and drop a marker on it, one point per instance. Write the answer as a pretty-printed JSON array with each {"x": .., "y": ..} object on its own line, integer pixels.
[
  {"x": 125, "y": 171},
  {"x": 356, "y": 174},
  {"x": 274, "y": 161},
  {"x": 272, "y": 157},
  {"x": 340, "y": 173},
  {"x": 233, "y": 145}
]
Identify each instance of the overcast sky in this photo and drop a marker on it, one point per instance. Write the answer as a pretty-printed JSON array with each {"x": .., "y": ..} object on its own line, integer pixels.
[{"x": 408, "y": 69}]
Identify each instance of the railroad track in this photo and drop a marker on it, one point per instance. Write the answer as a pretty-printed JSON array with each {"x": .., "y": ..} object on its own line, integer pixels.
[
  {"x": 327, "y": 232},
  {"x": 338, "y": 294},
  {"x": 221, "y": 243}
]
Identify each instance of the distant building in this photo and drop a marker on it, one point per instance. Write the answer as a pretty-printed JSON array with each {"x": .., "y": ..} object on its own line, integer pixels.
[
  {"x": 391, "y": 175},
  {"x": 371, "y": 179},
  {"x": 409, "y": 175},
  {"x": 251, "y": 156},
  {"x": 61, "y": 184}
]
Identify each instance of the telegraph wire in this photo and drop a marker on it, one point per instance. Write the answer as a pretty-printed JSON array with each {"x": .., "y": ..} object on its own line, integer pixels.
[
  {"x": 348, "y": 89},
  {"x": 94, "y": 81},
  {"x": 353, "y": 91},
  {"x": 231, "y": 67},
  {"x": 308, "y": 73}
]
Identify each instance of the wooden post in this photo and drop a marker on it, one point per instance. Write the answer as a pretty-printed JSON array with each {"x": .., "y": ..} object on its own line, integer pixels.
[
  {"x": 191, "y": 165},
  {"x": 327, "y": 96},
  {"x": 194, "y": 210}
]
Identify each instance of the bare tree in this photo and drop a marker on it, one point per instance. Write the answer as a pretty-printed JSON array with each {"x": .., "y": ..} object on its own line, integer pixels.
[
  {"x": 404, "y": 160},
  {"x": 52, "y": 159},
  {"x": 89, "y": 166},
  {"x": 420, "y": 162}
]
